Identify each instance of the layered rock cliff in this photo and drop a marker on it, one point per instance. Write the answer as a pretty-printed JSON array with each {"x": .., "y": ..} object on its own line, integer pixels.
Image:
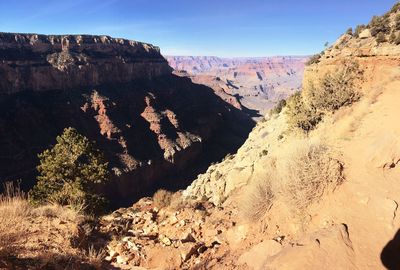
[
  {"x": 155, "y": 128},
  {"x": 39, "y": 62}
]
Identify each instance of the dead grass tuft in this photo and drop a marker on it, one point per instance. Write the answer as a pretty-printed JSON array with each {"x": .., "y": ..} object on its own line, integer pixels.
[
  {"x": 308, "y": 172},
  {"x": 14, "y": 208},
  {"x": 162, "y": 198},
  {"x": 298, "y": 178},
  {"x": 258, "y": 198}
]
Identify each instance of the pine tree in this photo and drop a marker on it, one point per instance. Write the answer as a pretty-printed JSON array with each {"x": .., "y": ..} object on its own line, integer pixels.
[{"x": 70, "y": 172}]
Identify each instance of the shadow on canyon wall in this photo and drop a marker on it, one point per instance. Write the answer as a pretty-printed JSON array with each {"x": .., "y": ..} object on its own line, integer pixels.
[{"x": 31, "y": 120}]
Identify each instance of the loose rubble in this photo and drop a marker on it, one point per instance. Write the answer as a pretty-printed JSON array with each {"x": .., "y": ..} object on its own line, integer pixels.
[{"x": 188, "y": 234}]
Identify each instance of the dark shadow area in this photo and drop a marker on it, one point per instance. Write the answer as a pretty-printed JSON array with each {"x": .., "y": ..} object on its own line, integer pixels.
[
  {"x": 30, "y": 122},
  {"x": 390, "y": 255}
]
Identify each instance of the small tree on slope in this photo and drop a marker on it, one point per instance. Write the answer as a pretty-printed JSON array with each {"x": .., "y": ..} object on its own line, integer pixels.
[{"x": 69, "y": 173}]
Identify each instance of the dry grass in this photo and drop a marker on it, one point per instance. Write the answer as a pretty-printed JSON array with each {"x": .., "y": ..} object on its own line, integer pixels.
[
  {"x": 96, "y": 256},
  {"x": 303, "y": 173},
  {"x": 14, "y": 208},
  {"x": 41, "y": 237},
  {"x": 162, "y": 198},
  {"x": 308, "y": 172},
  {"x": 258, "y": 198}
]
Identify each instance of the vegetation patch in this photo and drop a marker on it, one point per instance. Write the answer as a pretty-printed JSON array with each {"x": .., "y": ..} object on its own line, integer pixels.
[
  {"x": 278, "y": 107},
  {"x": 300, "y": 115},
  {"x": 259, "y": 196},
  {"x": 70, "y": 174},
  {"x": 308, "y": 172},
  {"x": 329, "y": 93}
]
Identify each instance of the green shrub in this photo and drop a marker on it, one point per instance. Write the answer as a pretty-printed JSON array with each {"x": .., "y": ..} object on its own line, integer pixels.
[
  {"x": 380, "y": 38},
  {"x": 278, "y": 107},
  {"x": 349, "y": 31},
  {"x": 329, "y": 93},
  {"x": 313, "y": 59},
  {"x": 70, "y": 172},
  {"x": 379, "y": 25},
  {"x": 300, "y": 115},
  {"x": 335, "y": 89}
]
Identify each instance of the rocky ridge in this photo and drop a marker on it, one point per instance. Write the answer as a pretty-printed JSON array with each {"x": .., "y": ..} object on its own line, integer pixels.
[{"x": 39, "y": 62}]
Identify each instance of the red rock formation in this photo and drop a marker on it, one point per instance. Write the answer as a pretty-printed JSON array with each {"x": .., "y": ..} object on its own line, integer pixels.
[
  {"x": 258, "y": 82},
  {"x": 156, "y": 129}
]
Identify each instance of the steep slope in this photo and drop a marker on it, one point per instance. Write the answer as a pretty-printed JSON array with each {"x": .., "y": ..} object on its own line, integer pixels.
[
  {"x": 354, "y": 227},
  {"x": 258, "y": 82},
  {"x": 156, "y": 129}
]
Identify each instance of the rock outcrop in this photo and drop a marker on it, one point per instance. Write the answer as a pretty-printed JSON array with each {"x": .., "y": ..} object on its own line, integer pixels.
[
  {"x": 155, "y": 128},
  {"x": 38, "y": 62}
]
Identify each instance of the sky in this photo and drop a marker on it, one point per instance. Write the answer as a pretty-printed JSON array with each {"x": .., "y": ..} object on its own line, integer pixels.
[{"x": 225, "y": 28}]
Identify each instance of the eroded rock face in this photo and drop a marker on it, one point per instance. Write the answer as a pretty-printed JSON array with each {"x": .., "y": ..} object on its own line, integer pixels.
[
  {"x": 257, "y": 82},
  {"x": 39, "y": 62},
  {"x": 155, "y": 128}
]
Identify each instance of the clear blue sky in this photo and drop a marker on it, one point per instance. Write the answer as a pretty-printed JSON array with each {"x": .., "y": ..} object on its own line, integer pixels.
[{"x": 198, "y": 27}]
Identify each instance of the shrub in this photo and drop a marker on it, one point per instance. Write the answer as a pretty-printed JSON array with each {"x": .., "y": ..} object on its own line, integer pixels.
[
  {"x": 313, "y": 59},
  {"x": 335, "y": 89},
  {"x": 397, "y": 22},
  {"x": 70, "y": 172},
  {"x": 395, "y": 8},
  {"x": 392, "y": 37},
  {"x": 278, "y": 107},
  {"x": 380, "y": 38},
  {"x": 258, "y": 197},
  {"x": 162, "y": 198},
  {"x": 359, "y": 29},
  {"x": 300, "y": 115},
  {"x": 308, "y": 172},
  {"x": 379, "y": 25},
  {"x": 349, "y": 31}
]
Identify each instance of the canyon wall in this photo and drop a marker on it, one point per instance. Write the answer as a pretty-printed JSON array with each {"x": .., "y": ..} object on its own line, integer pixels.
[
  {"x": 155, "y": 128},
  {"x": 258, "y": 83},
  {"x": 39, "y": 62}
]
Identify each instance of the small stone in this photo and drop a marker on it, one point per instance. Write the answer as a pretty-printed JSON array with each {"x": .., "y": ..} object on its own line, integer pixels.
[
  {"x": 120, "y": 248},
  {"x": 123, "y": 259},
  {"x": 187, "y": 237},
  {"x": 173, "y": 220},
  {"x": 187, "y": 250},
  {"x": 165, "y": 240},
  {"x": 112, "y": 254}
]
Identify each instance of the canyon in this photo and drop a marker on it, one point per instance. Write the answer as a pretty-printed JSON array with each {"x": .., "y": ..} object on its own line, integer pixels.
[
  {"x": 311, "y": 185},
  {"x": 151, "y": 124},
  {"x": 257, "y": 83}
]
